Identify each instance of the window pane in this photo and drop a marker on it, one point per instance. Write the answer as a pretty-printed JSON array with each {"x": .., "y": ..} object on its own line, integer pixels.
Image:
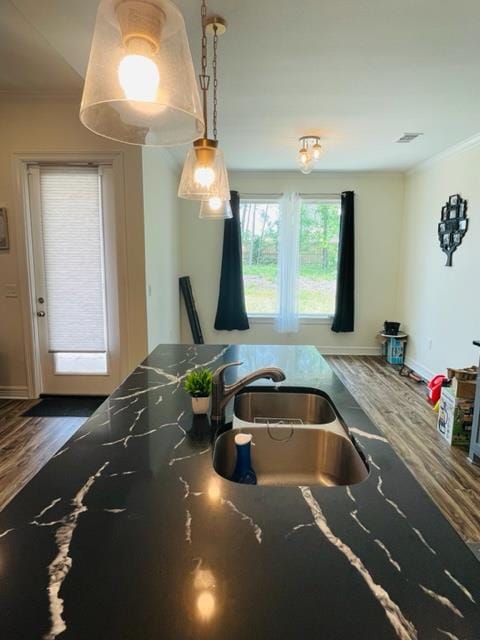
[
  {"x": 73, "y": 250},
  {"x": 259, "y": 223},
  {"x": 319, "y": 233},
  {"x": 80, "y": 363}
]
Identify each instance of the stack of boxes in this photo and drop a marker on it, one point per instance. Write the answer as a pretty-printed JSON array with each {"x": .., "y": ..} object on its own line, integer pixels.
[{"x": 455, "y": 415}]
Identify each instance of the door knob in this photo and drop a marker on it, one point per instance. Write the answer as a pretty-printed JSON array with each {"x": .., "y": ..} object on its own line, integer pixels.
[{"x": 41, "y": 314}]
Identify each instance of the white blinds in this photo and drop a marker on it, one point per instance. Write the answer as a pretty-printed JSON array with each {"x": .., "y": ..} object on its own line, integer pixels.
[{"x": 74, "y": 264}]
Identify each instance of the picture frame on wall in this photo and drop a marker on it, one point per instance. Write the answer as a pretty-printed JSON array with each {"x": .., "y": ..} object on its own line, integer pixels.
[
  {"x": 463, "y": 224},
  {"x": 445, "y": 212},
  {"x": 452, "y": 212},
  {"x": 4, "y": 238},
  {"x": 453, "y": 200},
  {"x": 442, "y": 227}
]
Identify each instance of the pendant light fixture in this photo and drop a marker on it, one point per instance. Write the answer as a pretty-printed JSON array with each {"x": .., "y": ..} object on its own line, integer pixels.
[
  {"x": 309, "y": 153},
  {"x": 204, "y": 175},
  {"x": 140, "y": 84}
]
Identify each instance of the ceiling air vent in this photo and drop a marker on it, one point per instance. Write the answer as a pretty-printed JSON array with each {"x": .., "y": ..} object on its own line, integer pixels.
[{"x": 408, "y": 137}]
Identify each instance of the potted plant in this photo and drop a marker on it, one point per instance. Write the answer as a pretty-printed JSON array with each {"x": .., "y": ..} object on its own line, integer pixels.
[{"x": 198, "y": 384}]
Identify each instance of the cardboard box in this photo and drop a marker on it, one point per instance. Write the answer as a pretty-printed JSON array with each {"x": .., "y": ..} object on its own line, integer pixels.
[
  {"x": 394, "y": 350},
  {"x": 469, "y": 373},
  {"x": 464, "y": 388},
  {"x": 455, "y": 416}
]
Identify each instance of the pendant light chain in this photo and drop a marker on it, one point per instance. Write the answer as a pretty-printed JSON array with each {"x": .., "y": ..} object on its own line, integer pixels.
[
  {"x": 215, "y": 80},
  {"x": 204, "y": 77}
]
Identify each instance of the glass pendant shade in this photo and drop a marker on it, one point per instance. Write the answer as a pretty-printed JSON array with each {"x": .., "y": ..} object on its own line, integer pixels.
[
  {"x": 215, "y": 209},
  {"x": 204, "y": 174},
  {"x": 140, "y": 85}
]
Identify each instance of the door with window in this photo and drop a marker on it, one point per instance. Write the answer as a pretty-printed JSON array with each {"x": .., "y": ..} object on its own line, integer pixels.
[{"x": 74, "y": 278}]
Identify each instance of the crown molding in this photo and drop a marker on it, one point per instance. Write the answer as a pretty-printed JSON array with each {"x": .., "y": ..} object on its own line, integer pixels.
[
  {"x": 460, "y": 147},
  {"x": 312, "y": 177}
]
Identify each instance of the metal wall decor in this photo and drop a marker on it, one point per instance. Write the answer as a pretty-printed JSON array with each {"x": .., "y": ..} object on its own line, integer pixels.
[{"x": 453, "y": 226}]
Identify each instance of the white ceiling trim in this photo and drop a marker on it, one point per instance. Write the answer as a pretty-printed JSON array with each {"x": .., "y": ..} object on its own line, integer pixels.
[{"x": 454, "y": 150}]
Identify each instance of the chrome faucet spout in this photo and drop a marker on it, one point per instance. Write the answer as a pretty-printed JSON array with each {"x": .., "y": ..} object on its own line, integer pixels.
[{"x": 222, "y": 393}]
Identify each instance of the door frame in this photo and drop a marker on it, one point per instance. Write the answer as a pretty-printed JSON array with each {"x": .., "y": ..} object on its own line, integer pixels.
[{"x": 25, "y": 253}]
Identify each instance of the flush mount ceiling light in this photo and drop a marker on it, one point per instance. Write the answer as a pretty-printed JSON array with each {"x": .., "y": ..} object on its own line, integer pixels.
[
  {"x": 204, "y": 175},
  {"x": 140, "y": 84},
  {"x": 309, "y": 153}
]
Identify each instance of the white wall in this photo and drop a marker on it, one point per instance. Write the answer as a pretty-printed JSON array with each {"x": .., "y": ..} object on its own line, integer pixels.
[
  {"x": 161, "y": 218},
  {"x": 440, "y": 305},
  {"x": 35, "y": 125},
  {"x": 378, "y": 213}
]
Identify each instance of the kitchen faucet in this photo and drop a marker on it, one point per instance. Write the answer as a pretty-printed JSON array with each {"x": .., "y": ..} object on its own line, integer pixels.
[{"x": 222, "y": 393}]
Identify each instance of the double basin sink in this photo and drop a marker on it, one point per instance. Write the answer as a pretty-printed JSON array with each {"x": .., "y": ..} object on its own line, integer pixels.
[{"x": 297, "y": 439}]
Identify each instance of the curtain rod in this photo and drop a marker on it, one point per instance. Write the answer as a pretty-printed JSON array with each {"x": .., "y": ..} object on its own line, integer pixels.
[{"x": 276, "y": 196}]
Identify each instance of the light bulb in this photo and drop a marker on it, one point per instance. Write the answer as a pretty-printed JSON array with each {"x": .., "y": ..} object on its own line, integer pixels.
[
  {"x": 303, "y": 156},
  {"x": 215, "y": 203},
  {"x": 139, "y": 78},
  {"x": 317, "y": 151},
  {"x": 204, "y": 176}
]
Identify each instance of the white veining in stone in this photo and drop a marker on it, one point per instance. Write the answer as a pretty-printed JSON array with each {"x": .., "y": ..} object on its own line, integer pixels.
[
  {"x": 358, "y": 521},
  {"x": 367, "y": 435},
  {"x": 404, "y": 629},
  {"x": 372, "y": 462},
  {"x": 395, "y": 506},
  {"x": 443, "y": 600},
  {"x": 448, "y": 634},
  {"x": 243, "y": 516},
  {"x": 126, "y": 439},
  {"x": 388, "y": 554},
  {"x": 192, "y": 455},
  {"x": 114, "y": 510},
  {"x": 462, "y": 588},
  {"x": 256, "y": 529},
  {"x": 61, "y": 564},
  {"x": 6, "y": 532},
  {"x": 61, "y": 452},
  {"x": 350, "y": 494},
  {"x": 298, "y": 527},
  {"x": 188, "y": 526},
  {"x": 121, "y": 473},
  {"x": 82, "y": 437},
  {"x": 47, "y": 508},
  {"x": 138, "y": 415},
  {"x": 423, "y": 541}
]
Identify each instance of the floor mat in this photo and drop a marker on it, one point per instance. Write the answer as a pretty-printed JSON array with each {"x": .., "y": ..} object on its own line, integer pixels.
[{"x": 73, "y": 406}]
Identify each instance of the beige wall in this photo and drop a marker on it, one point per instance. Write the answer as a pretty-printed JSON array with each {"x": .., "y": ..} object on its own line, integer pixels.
[
  {"x": 378, "y": 210},
  {"x": 161, "y": 214},
  {"x": 440, "y": 305},
  {"x": 31, "y": 125}
]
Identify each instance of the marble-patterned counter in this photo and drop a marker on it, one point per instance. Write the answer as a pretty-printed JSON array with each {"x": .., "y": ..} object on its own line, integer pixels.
[{"x": 129, "y": 534}]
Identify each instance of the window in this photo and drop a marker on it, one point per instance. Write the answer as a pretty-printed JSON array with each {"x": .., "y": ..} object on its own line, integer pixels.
[{"x": 318, "y": 255}]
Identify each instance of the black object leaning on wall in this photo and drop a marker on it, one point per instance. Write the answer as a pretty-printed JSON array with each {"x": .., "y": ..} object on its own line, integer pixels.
[
  {"x": 231, "y": 311},
  {"x": 344, "y": 318}
]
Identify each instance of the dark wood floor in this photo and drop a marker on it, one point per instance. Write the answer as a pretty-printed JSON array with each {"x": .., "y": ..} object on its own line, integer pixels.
[
  {"x": 398, "y": 407},
  {"x": 27, "y": 443}
]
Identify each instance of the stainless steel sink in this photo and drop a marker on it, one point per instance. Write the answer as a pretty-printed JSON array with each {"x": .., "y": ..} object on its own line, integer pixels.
[
  {"x": 285, "y": 404},
  {"x": 289, "y": 455}
]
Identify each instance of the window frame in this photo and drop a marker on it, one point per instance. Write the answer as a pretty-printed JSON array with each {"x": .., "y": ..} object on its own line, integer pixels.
[{"x": 304, "y": 318}]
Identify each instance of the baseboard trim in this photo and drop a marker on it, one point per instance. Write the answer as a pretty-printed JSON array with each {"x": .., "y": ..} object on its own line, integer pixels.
[
  {"x": 422, "y": 371},
  {"x": 350, "y": 351},
  {"x": 14, "y": 393}
]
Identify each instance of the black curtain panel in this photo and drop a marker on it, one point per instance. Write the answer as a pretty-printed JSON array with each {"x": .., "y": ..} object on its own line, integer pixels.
[
  {"x": 231, "y": 312},
  {"x": 343, "y": 319}
]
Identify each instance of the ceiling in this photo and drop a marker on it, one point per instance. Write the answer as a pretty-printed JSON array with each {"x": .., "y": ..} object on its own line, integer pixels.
[
  {"x": 359, "y": 73},
  {"x": 28, "y": 62}
]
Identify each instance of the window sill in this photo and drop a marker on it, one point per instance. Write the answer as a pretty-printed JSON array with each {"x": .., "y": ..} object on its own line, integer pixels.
[{"x": 261, "y": 319}]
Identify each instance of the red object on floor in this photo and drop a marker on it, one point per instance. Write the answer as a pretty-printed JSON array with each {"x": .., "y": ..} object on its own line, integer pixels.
[{"x": 435, "y": 388}]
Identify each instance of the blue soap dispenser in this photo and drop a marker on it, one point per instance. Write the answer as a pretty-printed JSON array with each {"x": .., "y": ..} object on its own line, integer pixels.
[{"x": 244, "y": 472}]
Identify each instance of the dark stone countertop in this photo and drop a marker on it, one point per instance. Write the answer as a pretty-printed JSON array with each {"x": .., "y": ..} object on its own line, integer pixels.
[{"x": 128, "y": 533}]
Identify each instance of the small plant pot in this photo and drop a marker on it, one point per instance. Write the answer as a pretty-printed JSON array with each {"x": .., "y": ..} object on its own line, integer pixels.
[{"x": 200, "y": 405}]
